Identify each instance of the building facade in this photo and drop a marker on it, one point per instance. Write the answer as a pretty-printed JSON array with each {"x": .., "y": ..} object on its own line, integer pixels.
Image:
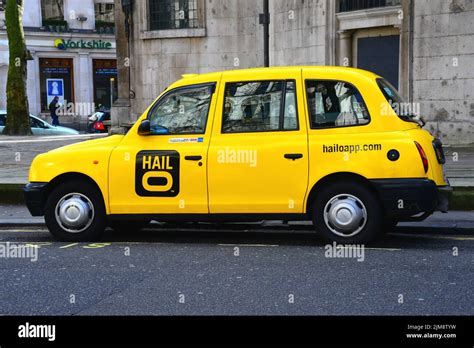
[
  {"x": 424, "y": 47},
  {"x": 72, "y": 44}
]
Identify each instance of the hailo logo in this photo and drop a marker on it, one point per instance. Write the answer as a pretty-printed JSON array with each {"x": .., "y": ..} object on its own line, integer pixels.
[
  {"x": 59, "y": 44},
  {"x": 157, "y": 174},
  {"x": 62, "y": 44}
]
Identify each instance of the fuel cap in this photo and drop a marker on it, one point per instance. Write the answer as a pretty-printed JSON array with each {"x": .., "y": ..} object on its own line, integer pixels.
[{"x": 393, "y": 155}]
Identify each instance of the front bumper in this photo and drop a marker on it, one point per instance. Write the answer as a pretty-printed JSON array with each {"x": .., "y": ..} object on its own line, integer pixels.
[
  {"x": 35, "y": 196},
  {"x": 404, "y": 198}
]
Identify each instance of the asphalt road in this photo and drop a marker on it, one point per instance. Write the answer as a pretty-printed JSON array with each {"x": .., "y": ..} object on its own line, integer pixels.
[{"x": 253, "y": 269}]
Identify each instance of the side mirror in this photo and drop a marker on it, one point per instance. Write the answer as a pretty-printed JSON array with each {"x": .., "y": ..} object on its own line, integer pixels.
[{"x": 144, "y": 128}]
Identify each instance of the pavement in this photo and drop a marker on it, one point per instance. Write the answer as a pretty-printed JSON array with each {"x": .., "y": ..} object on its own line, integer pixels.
[
  {"x": 241, "y": 269},
  {"x": 17, "y": 153}
]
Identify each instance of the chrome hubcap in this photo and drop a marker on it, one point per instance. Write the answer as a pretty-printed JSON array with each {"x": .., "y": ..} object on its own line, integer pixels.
[
  {"x": 74, "y": 212},
  {"x": 345, "y": 215}
]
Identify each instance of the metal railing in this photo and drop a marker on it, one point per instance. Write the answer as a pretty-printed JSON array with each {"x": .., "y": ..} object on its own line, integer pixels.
[{"x": 355, "y": 5}]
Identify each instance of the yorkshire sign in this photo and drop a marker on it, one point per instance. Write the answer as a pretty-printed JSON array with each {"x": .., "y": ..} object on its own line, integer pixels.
[{"x": 83, "y": 44}]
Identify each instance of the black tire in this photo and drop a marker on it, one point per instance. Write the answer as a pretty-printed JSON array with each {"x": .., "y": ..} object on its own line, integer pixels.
[
  {"x": 126, "y": 227},
  {"x": 370, "y": 230},
  {"x": 97, "y": 223}
]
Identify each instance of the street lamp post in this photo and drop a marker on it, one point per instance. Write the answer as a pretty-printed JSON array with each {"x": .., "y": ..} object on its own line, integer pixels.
[{"x": 265, "y": 21}]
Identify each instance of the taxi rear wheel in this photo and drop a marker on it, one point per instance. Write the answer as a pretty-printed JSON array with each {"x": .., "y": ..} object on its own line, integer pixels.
[
  {"x": 347, "y": 213},
  {"x": 75, "y": 212}
]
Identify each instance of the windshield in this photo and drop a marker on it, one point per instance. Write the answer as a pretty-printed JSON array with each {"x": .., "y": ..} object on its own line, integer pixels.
[{"x": 406, "y": 111}]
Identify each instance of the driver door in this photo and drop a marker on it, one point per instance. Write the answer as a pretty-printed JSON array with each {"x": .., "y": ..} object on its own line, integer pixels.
[{"x": 166, "y": 171}]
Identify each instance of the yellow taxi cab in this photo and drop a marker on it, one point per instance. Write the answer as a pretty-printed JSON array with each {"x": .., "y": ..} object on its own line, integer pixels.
[{"x": 321, "y": 144}]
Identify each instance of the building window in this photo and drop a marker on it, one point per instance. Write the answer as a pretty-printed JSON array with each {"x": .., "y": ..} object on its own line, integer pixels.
[
  {"x": 173, "y": 14},
  {"x": 104, "y": 17},
  {"x": 354, "y": 5},
  {"x": 334, "y": 104},
  {"x": 104, "y": 12},
  {"x": 105, "y": 82},
  {"x": 52, "y": 10},
  {"x": 56, "y": 80}
]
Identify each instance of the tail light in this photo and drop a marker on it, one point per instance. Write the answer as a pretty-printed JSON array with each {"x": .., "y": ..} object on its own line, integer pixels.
[
  {"x": 424, "y": 159},
  {"x": 438, "y": 147},
  {"x": 99, "y": 126}
]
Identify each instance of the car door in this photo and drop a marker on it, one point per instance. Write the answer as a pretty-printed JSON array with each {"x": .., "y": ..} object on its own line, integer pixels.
[
  {"x": 166, "y": 172},
  {"x": 258, "y": 157},
  {"x": 37, "y": 126}
]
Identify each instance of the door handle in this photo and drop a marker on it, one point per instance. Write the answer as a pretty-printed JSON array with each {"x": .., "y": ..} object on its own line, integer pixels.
[
  {"x": 294, "y": 156},
  {"x": 193, "y": 158}
]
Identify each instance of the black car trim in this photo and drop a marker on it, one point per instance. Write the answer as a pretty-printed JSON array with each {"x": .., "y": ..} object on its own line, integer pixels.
[
  {"x": 35, "y": 194},
  {"x": 404, "y": 198}
]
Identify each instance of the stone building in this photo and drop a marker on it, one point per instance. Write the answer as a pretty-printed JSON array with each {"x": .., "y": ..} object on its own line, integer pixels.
[
  {"x": 424, "y": 47},
  {"x": 72, "y": 43}
]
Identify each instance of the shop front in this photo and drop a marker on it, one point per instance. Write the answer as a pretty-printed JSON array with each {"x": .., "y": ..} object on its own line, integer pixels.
[{"x": 79, "y": 68}]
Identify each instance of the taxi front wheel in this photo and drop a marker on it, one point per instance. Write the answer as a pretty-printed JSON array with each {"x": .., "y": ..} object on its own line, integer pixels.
[
  {"x": 75, "y": 212},
  {"x": 347, "y": 213}
]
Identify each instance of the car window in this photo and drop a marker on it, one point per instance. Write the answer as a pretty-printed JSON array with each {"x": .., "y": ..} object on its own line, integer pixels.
[
  {"x": 35, "y": 123},
  {"x": 259, "y": 107},
  {"x": 3, "y": 119},
  {"x": 183, "y": 111},
  {"x": 335, "y": 104},
  {"x": 290, "y": 116},
  {"x": 398, "y": 104},
  {"x": 104, "y": 116}
]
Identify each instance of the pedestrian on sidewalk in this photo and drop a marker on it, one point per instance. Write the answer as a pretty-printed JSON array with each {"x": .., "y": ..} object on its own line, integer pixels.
[{"x": 53, "y": 109}]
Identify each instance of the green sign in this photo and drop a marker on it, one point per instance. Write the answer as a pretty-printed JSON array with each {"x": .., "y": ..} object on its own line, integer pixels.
[{"x": 91, "y": 45}]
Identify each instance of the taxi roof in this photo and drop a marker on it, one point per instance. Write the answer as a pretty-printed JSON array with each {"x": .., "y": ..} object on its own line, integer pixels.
[{"x": 338, "y": 71}]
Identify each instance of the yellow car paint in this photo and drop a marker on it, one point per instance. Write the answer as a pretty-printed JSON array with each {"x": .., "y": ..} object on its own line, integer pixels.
[{"x": 275, "y": 184}]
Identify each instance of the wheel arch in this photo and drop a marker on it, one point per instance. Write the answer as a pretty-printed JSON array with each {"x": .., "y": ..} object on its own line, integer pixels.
[
  {"x": 335, "y": 177},
  {"x": 72, "y": 176}
]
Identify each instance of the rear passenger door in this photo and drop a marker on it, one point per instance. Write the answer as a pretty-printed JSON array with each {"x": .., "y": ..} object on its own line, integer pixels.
[{"x": 258, "y": 156}]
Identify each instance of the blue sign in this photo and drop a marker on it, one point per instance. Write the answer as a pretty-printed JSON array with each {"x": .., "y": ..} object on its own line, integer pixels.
[{"x": 55, "y": 87}]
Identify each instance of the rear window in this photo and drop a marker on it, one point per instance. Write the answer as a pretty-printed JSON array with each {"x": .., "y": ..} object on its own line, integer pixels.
[
  {"x": 334, "y": 104},
  {"x": 399, "y": 105}
]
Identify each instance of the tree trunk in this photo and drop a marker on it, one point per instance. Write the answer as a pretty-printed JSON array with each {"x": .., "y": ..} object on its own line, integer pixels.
[{"x": 18, "y": 122}]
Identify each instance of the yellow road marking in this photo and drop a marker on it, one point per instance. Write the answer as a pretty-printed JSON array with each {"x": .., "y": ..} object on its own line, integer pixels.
[
  {"x": 428, "y": 236},
  {"x": 68, "y": 246}
]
